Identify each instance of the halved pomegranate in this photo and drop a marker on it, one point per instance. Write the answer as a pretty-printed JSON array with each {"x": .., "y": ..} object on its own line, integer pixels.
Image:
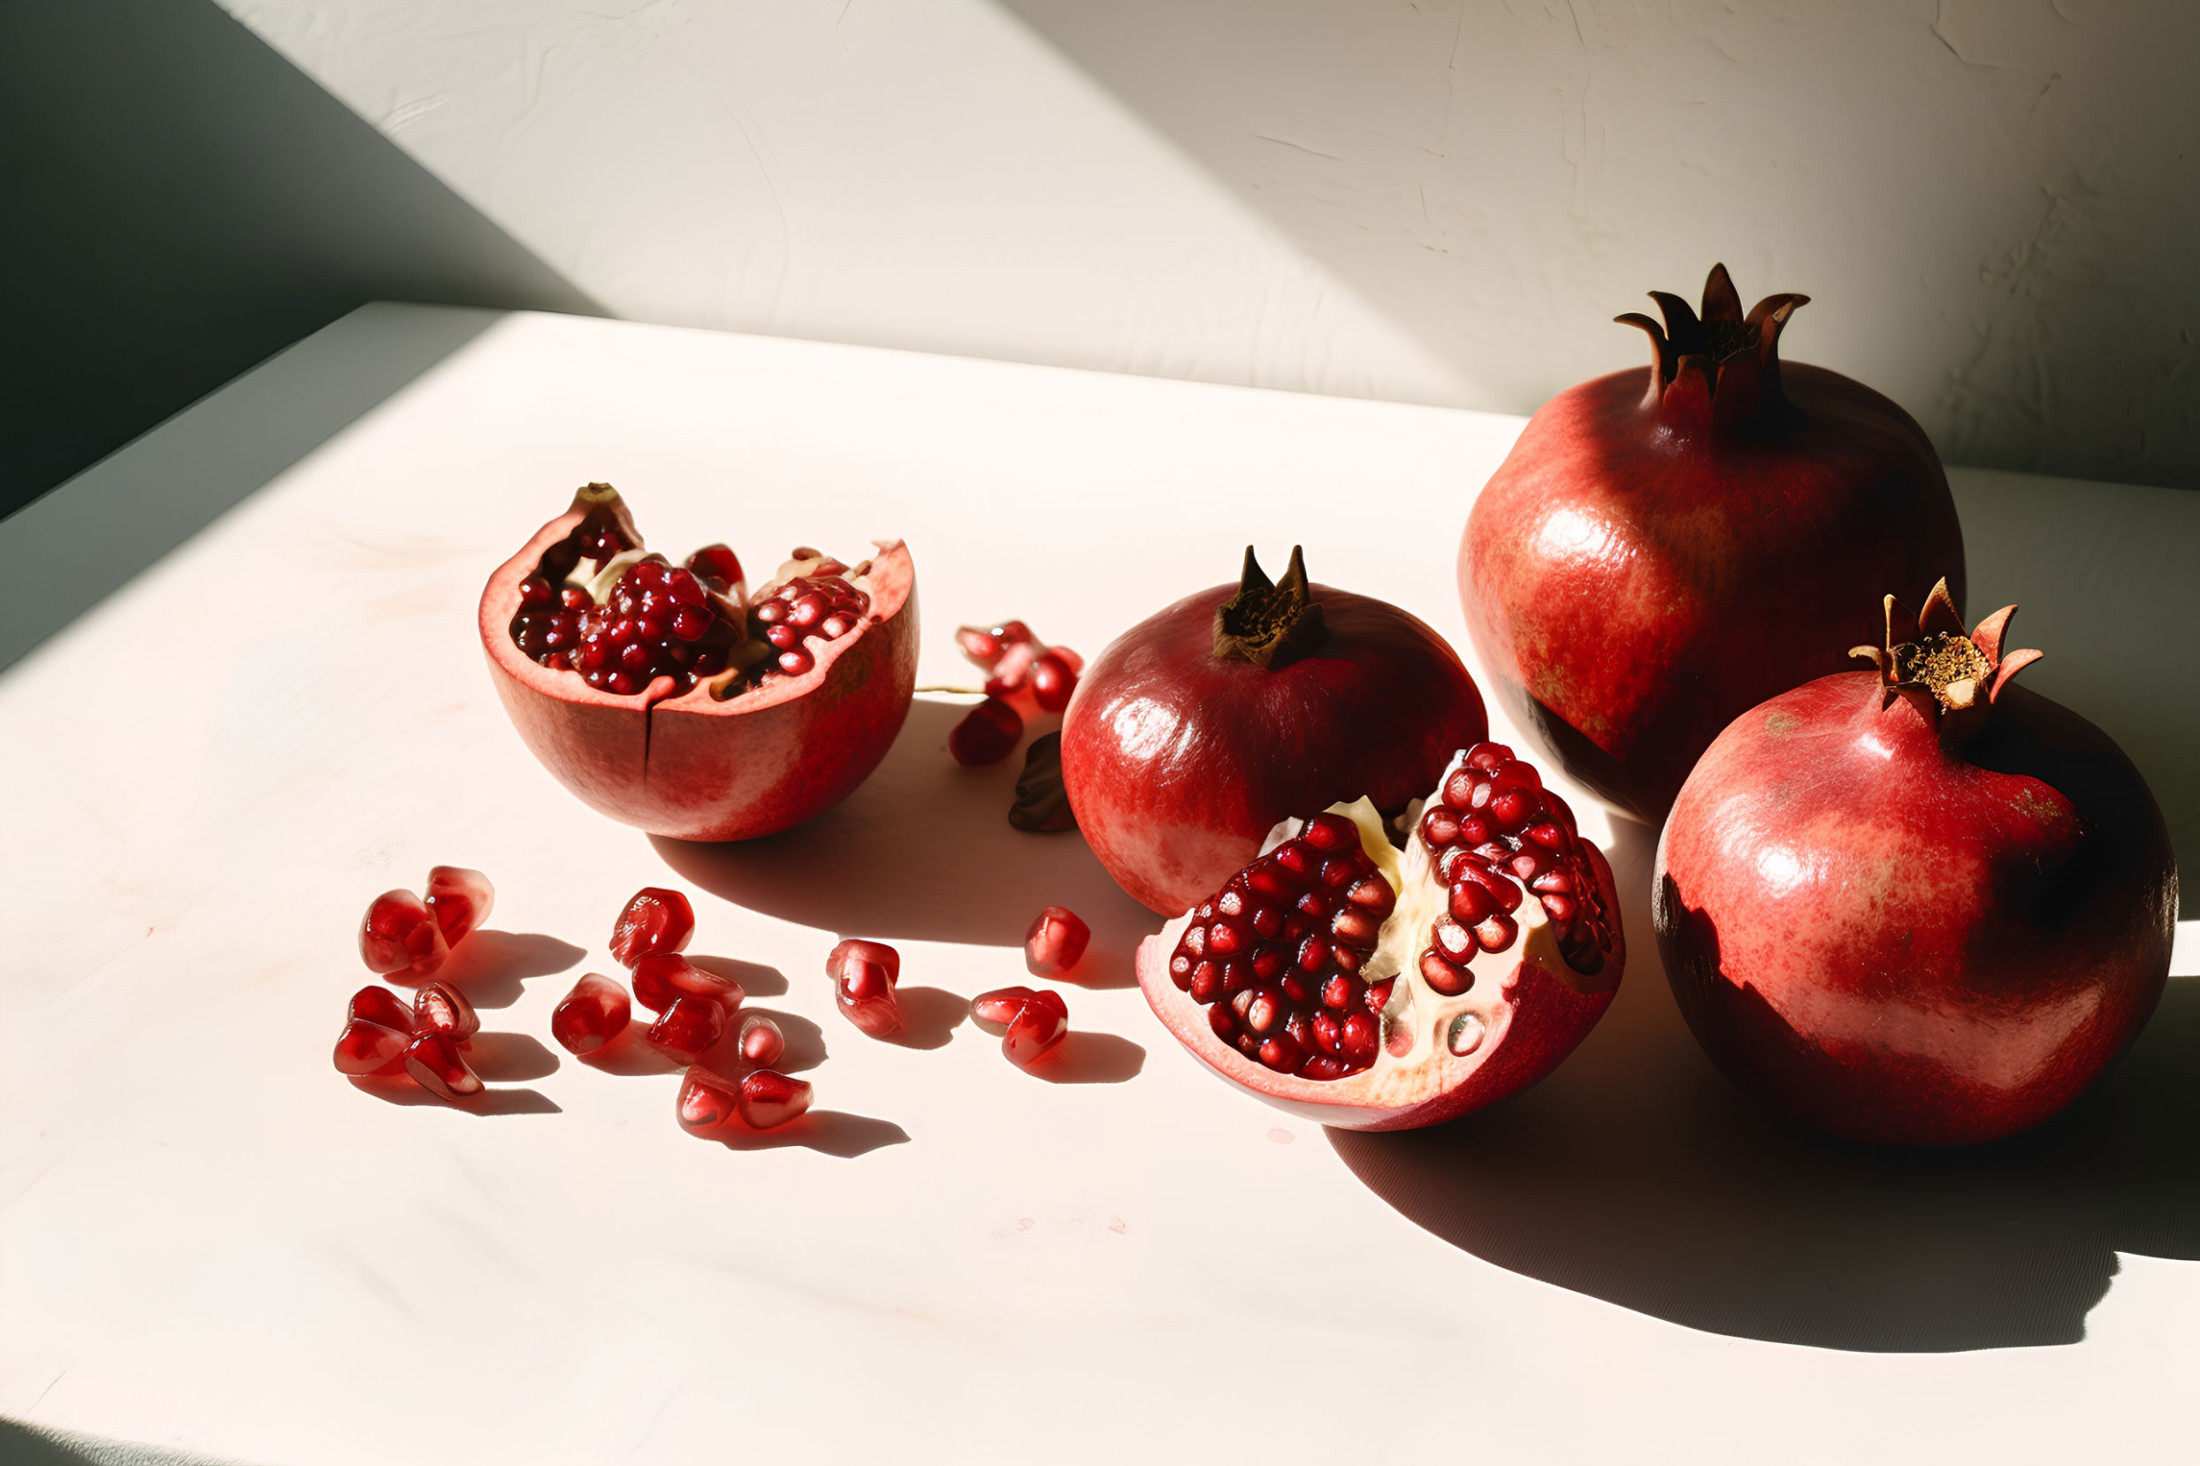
[
  {"x": 1377, "y": 989},
  {"x": 673, "y": 698}
]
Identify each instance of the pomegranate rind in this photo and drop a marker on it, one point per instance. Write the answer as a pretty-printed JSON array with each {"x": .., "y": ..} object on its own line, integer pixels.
[
  {"x": 694, "y": 767},
  {"x": 1534, "y": 1009}
]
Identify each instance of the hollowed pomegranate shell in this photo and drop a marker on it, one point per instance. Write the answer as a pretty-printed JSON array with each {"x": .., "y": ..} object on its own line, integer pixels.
[
  {"x": 1523, "y": 1010},
  {"x": 688, "y": 764}
]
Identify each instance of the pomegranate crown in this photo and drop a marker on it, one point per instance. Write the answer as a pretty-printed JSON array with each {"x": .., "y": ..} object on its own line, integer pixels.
[
  {"x": 1721, "y": 367},
  {"x": 1269, "y": 623},
  {"x": 1952, "y": 678}
]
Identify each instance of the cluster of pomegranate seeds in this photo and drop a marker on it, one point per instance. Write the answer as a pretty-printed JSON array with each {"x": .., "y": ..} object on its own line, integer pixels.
[
  {"x": 404, "y": 933},
  {"x": 1033, "y": 1022},
  {"x": 1275, "y": 956},
  {"x": 864, "y": 976},
  {"x": 686, "y": 622},
  {"x": 1055, "y": 942},
  {"x": 762, "y": 1098},
  {"x": 590, "y": 1016},
  {"x": 821, "y": 603},
  {"x": 1020, "y": 670},
  {"x": 381, "y": 1035},
  {"x": 654, "y": 919},
  {"x": 1492, "y": 830}
]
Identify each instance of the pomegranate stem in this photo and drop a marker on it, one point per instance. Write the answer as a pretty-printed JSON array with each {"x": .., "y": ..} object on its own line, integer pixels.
[{"x": 1269, "y": 623}]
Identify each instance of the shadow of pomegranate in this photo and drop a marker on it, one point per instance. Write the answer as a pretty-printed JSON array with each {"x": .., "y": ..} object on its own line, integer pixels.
[
  {"x": 924, "y": 851},
  {"x": 1638, "y": 1175},
  {"x": 506, "y": 1058},
  {"x": 932, "y": 1016}
]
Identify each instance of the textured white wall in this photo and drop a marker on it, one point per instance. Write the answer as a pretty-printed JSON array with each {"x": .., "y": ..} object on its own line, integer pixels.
[{"x": 1994, "y": 203}]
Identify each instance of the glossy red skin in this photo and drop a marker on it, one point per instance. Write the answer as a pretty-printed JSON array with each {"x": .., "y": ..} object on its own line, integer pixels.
[
  {"x": 1633, "y": 582},
  {"x": 1178, "y": 763},
  {"x": 1550, "y": 1014},
  {"x": 1901, "y": 945},
  {"x": 697, "y": 769}
]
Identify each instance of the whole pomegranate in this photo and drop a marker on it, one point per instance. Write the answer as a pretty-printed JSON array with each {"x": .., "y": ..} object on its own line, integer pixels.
[
  {"x": 673, "y": 698},
  {"x": 1918, "y": 905},
  {"x": 1373, "y": 989},
  {"x": 1200, "y": 727},
  {"x": 1660, "y": 553}
]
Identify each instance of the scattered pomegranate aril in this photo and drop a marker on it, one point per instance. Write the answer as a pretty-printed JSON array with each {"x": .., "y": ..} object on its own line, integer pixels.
[
  {"x": 654, "y": 920},
  {"x": 985, "y": 646},
  {"x": 761, "y": 1043},
  {"x": 460, "y": 900},
  {"x": 595, "y": 1012},
  {"x": 864, "y": 975},
  {"x": 769, "y": 1099},
  {"x": 380, "y": 1005},
  {"x": 1053, "y": 680},
  {"x": 1041, "y": 1025},
  {"x": 399, "y": 934},
  {"x": 689, "y": 1026},
  {"x": 1334, "y": 975},
  {"x": 1197, "y": 730},
  {"x": 660, "y": 694},
  {"x": 441, "y": 1008},
  {"x": 437, "y": 1066},
  {"x": 1055, "y": 942},
  {"x": 707, "y": 1100},
  {"x": 986, "y": 734},
  {"x": 661, "y": 978},
  {"x": 368, "y": 1047},
  {"x": 998, "y": 1009}
]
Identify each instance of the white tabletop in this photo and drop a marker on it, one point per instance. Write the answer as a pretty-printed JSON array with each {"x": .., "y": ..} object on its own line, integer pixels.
[{"x": 212, "y": 1243}]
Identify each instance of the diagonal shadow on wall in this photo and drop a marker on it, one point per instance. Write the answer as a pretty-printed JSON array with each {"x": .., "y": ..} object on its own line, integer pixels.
[{"x": 181, "y": 202}]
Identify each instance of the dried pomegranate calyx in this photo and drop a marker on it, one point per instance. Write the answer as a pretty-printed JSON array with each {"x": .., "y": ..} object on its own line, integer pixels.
[
  {"x": 1269, "y": 623},
  {"x": 1952, "y": 678},
  {"x": 1720, "y": 367}
]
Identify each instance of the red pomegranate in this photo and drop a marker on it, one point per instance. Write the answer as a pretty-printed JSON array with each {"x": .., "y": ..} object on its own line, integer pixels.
[
  {"x": 1658, "y": 554},
  {"x": 1919, "y": 905},
  {"x": 1200, "y": 727},
  {"x": 1374, "y": 989},
  {"x": 672, "y": 698}
]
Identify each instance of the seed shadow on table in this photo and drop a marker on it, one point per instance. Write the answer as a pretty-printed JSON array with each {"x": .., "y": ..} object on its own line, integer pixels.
[
  {"x": 1086, "y": 1057},
  {"x": 828, "y": 1132},
  {"x": 1637, "y": 1175},
  {"x": 394, "y": 1089},
  {"x": 490, "y": 966},
  {"x": 924, "y": 851}
]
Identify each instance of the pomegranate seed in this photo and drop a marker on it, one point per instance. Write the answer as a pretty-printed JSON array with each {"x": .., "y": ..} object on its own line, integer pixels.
[
  {"x": 1040, "y": 1025},
  {"x": 1445, "y": 976},
  {"x": 1000, "y": 1006},
  {"x": 706, "y": 1100},
  {"x": 441, "y": 1008},
  {"x": 655, "y": 920},
  {"x": 985, "y": 646},
  {"x": 367, "y": 1047},
  {"x": 1055, "y": 942},
  {"x": 1496, "y": 933},
  {"x": 986, "y": 734},
  {"x": 436, "y": 1065},
  {"x": 380, "y": 1005},
  {"x": 761, "y": 1042},
  {"x": 768, "y": 1099},
  {"x": 717, "y": 567},
  {"x": 1283, "y": 1054},
  {"x": 399, "y": 935},
  {"x": 864, "y": 976},
  {"x": 591, "y": 1015},
  {"x": 1052, "y": 681},
  {"x": 662, "y": 978},
  {"x": 536, "y": 591},
  {"x": 689, "y": 1026}
]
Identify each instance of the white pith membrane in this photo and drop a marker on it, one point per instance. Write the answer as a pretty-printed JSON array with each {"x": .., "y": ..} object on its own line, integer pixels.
[{"x": 1430, "y": 1042}]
